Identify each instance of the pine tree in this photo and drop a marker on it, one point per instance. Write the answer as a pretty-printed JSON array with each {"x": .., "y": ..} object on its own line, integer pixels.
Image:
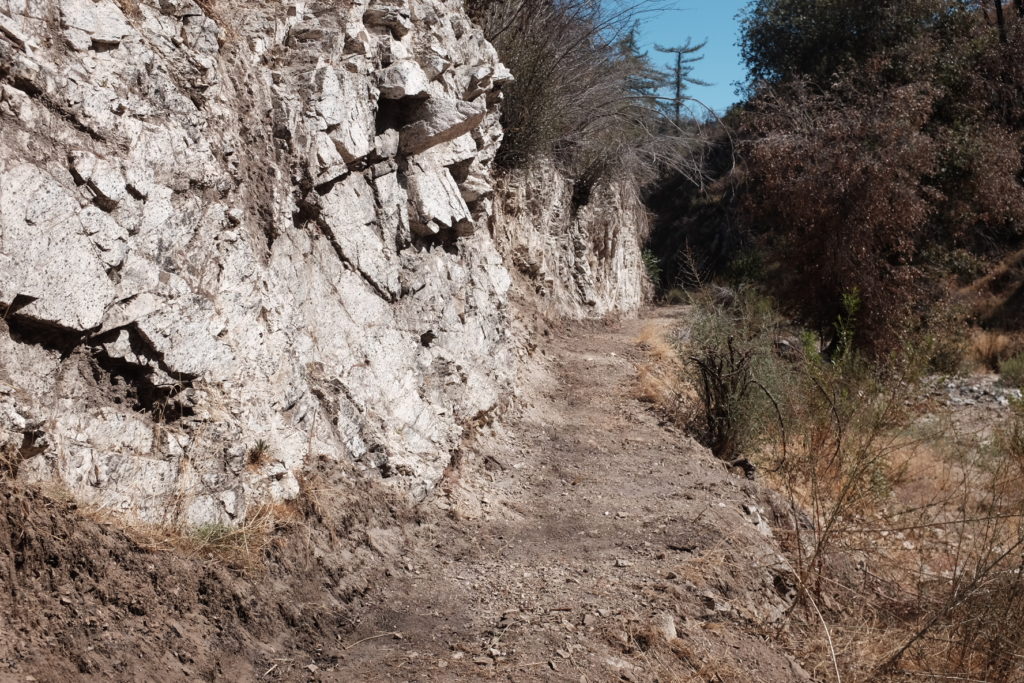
[
  {"x": 644, "y": 80},
  {"x": 681, "y": 74}
]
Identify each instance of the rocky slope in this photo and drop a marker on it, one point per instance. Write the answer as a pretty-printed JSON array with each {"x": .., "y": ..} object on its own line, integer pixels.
[{"x": 238, "y": 239}]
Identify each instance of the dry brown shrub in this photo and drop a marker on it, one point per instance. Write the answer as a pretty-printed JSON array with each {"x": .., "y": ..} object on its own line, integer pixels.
[
  {"x": 130, "y": 8},
  {"x": 583, "y": 94},
  {"x": 903, "y": 532},
  {"x": 924, "y": 577},
  {"x": 826, "y": 173},
  {"x": 989, "y": 349}
]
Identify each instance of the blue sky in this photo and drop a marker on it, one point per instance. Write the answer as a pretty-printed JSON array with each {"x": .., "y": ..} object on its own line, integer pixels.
[{"x": 714, "y": 20}]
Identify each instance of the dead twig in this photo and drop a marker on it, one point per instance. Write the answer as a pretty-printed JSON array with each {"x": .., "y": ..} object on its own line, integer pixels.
[{"x": 379, "y": 635}]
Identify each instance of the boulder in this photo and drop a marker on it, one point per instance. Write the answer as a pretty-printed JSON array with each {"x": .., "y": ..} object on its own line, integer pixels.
[
  {"x": 349, "y": 219},
  {"x": 437, "y": 203},
  {"x": 404, "y": 78},
  {"x": 436, "y": 121},
  {"x": 104, "y": 180},
  {"x": 88, "y": 24},
  {"x": 345, "y": 104},
  {"x": 393, "y": 16},
  {"x": 49, "y": 268}
]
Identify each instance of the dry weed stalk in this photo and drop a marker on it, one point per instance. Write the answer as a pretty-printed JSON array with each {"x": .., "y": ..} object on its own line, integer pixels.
[{"x": 661, "y": 380}]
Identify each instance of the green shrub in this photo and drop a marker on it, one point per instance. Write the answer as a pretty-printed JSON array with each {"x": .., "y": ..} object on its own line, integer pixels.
[
  {"x": 652, "y": 265},
  {"x": 825, "y": 427},
  {"x": 794, "y": 38},
  {"x": 1011, "y": 370},
  {"x": 731, "y": 353}
]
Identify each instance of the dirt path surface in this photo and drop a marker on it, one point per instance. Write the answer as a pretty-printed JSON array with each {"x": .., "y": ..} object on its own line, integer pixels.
[{"x": 588, "y": 540}]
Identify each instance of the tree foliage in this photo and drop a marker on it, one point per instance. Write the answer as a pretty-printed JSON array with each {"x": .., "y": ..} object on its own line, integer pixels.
[
  {"x": 840, "y": 187},
  {"x": 784, "y": 39},
  {"x": 878, "y": 136}
]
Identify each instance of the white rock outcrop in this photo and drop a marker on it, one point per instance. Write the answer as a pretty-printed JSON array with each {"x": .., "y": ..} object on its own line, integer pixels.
[
  {"x": 270, "y": 226},
  {"x": 582, "y": 259}
]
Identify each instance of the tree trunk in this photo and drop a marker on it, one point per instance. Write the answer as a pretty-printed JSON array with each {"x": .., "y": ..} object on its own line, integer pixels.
[
  {"x": 679, "y": 87},
  {"x": 1001, "y": 19}
]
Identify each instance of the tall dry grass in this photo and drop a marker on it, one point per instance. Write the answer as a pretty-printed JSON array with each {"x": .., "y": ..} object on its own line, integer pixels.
[{"x": 989, "y": 349}]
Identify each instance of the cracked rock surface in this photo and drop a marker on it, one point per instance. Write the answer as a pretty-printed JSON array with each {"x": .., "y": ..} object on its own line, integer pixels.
[{"x": 270, "y": 225}]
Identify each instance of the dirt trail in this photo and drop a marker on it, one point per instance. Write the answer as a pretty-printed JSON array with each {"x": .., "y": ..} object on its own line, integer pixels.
[{"x": 570, "y": 545}]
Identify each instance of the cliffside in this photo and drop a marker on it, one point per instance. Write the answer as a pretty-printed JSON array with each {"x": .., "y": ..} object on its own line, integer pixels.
[
  {"x": 238, "y": 241},
  {"x": 576, "y": 259}
]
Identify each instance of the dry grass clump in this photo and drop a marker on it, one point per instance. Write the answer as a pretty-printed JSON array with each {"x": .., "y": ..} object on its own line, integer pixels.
[
  {"x": 240, "y": 545},
  {"x": 9, "y": 459},
  {"x": 989, "y": 349},
  {"x": 661, "y": 379}
]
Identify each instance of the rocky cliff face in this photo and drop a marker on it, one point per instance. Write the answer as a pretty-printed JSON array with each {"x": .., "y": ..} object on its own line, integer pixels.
[
  {"x": 578, "y": 259},
  {"x": 237, "y": 240}
]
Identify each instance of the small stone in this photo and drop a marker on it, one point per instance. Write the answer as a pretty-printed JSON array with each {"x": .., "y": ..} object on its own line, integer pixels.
[{"x": 665, "y": 626}]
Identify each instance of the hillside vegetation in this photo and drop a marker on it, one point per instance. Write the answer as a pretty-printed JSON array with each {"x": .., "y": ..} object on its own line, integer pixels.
[
  {"x": 863, "y": 208},
  {"x": 877, "y": 151}
]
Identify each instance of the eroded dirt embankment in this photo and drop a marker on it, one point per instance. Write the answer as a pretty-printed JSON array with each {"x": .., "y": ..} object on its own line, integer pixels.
[
  {"x": 587, "y": 538},
  {"x": 82, "y": 598}
]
